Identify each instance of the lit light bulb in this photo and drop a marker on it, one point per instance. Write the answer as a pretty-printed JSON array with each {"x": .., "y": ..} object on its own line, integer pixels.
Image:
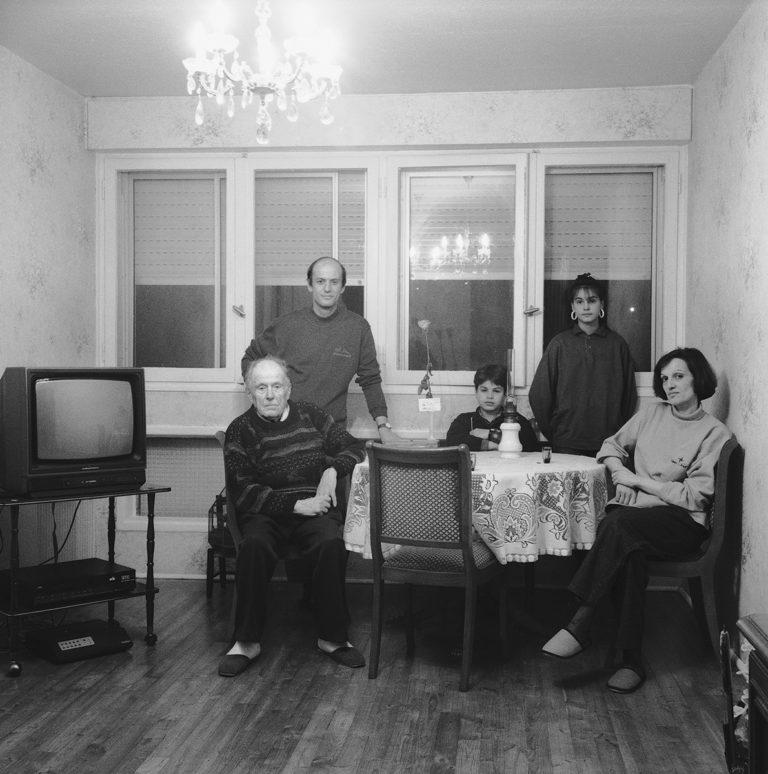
[{"x": 199, "y": 114}]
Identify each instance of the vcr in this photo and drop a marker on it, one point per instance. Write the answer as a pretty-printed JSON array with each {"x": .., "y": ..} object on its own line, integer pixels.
[{"x": 51, "y": 584}]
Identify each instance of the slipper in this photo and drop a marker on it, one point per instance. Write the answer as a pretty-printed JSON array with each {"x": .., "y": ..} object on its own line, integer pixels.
[
  {"x": 234, "y": 664},
  {"x": 564, "y": 645},
  {"x": 626, "y": 679},
  {"x": 346, "y": 655}
]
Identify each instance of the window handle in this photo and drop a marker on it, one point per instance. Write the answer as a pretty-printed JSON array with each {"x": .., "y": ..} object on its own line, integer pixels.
[
  {"x": 529, "y": 311},
  {"x": 238, "y": 309}
]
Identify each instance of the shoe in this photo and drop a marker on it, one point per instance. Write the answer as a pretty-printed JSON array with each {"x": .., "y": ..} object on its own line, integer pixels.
[
  {"x": 564, "y": 645},
  {"x": 626, "y": 679},
  {"x": 234, "y": 664},
  {"x": 346, "y": 655}
]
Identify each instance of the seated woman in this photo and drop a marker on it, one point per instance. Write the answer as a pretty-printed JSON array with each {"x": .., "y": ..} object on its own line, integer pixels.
[
  {"x": 659, "y": 509},
  {"x": 479, "y": 429}
]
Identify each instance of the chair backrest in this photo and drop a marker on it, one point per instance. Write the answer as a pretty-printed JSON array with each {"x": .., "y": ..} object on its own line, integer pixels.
[
  {"x": 232, "y": 524},
  {"x": 420, "y": 497},
  {"x": 721, "y": 501}
]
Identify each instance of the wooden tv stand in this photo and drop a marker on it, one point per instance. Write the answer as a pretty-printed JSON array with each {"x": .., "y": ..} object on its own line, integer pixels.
[{"x": 11, "y": 608}]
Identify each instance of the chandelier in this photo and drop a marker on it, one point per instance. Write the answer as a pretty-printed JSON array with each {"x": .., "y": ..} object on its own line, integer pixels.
[
  {"x": 465, "y": 253},
  {"x": 300, "y": 74}
]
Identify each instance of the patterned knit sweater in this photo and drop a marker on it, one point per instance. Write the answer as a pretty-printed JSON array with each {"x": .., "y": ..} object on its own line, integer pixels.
[
  {"x": 270, "y": 465},
  {"x": 679, "y": 451}
]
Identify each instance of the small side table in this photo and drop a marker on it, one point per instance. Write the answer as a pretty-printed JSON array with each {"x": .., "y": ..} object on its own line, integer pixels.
[{"x": 14, "y": 611}]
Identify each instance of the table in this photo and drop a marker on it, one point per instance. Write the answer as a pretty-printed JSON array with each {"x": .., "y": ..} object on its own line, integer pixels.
[
  {"x": 522, "y": 507},
  {"x": 10, "y": 607}
]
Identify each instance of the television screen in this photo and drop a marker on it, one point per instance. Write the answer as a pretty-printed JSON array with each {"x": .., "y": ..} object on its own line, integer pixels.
[{"x": 83, "y": 419}]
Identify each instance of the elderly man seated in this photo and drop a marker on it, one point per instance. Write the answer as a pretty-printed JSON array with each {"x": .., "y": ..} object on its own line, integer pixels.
[{"x": 282, "y": 459}]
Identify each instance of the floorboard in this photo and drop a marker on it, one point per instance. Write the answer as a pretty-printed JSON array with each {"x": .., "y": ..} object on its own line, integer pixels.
[{"x": 161, "y": 709}]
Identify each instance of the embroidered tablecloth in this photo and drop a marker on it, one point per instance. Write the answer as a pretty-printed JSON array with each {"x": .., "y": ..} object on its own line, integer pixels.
[{"x": 521, "y": 507}]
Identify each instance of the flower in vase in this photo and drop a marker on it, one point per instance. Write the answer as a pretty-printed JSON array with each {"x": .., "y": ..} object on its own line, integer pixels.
[{"x": 426, "y": 383}]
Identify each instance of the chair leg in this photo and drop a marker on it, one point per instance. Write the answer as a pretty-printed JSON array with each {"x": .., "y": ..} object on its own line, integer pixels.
[
  {"x": 470, "y": 609},
  {"x": 410, "y": 639},
  {"x": 373, "y": 658},
  {"x": 503, "y": 619},
  {"x": 209, "y": 573},
  {"x": 702, "y": 590}
]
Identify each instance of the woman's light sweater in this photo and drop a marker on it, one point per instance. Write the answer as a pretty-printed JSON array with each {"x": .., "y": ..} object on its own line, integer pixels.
[{"x": 659, "y": 444}]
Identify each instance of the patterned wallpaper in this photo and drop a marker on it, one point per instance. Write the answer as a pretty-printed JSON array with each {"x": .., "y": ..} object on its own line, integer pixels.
[
  {"x": 47, "y": 197},
  {"x": 728, "y": 262},
  {"x": 577, "y": 115}
]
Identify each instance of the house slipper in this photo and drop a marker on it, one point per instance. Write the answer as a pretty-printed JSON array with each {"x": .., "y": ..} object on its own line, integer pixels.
[
  {"x": 234, "y": 664},
  {"x": 564, "y": 644},
  {"x": 626, "y": 679},
  {"x": 346, "y": 655}
]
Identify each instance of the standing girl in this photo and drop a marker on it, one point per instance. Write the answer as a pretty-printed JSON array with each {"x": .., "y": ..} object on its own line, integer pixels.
[{"x": 584, "y": 387}]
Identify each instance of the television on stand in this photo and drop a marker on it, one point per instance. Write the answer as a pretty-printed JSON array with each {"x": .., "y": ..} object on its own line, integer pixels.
[{"x": 70, "y": 431}]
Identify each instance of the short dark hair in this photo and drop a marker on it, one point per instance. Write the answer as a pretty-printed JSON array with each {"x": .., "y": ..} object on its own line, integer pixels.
[
  {"x": 704, "y": 378},
  {"x": 588, "y": 282},
  {"x": 496, "y": 374},
  {"x": 327, "y": 258}
]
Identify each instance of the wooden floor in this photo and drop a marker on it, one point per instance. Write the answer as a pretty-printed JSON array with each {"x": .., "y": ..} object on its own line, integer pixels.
[{"x": 164, "y": 708}]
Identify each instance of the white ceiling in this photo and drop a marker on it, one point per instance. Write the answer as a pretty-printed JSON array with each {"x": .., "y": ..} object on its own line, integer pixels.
[{"x": 134, "y": 47}]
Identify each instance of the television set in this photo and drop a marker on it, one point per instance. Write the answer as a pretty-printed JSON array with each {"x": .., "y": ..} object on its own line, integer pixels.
[{"x": 66, "y": 431}]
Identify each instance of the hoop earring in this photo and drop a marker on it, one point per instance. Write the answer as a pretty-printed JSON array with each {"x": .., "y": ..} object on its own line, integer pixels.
[
  {"x": 573, "y": 315},
  {"x": 602, "y": 313}
]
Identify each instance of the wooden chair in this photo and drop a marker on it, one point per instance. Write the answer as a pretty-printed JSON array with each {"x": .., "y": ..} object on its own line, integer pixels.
[
  {"x": 221, "y": 547},
  {"x": 421, "y": 500},
  {"x": 700, "y": 570}
]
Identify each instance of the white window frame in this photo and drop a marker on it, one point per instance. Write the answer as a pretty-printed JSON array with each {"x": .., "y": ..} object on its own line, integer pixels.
[
  {"x": 113, "y": 240},
  {"x": 252, "y": 165},
  {"x": 668, "y": 294},
  {"x": 383, "y": 245},
  {"x": 395, "y": 285}
]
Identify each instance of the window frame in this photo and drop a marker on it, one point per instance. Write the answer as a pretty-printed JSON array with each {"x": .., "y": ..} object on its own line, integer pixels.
[
  {"x": 668, "y": 296},
  {"x": 397, "y": 232},
  {"x": 113, "y": 274},
  {"x": 385, "y": 242}
]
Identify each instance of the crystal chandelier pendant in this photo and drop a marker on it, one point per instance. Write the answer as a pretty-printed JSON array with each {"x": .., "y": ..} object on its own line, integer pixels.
[{"x": 296, "y": 76}]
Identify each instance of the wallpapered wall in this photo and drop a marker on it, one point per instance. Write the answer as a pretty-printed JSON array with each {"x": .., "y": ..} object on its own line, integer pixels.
[
  {"x": 47, "y": 197},
  {"x": 728, "y": 262}
]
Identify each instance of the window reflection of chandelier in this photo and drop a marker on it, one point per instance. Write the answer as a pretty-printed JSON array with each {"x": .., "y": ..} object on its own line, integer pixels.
[
  {"x": 302, "y": 73},
  {"x": 466, "y": 253}
]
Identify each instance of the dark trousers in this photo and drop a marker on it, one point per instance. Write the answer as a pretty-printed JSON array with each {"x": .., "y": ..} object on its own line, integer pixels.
[
  {"x": 265, "y": 540},
  {"x": 616, "y": 564}
]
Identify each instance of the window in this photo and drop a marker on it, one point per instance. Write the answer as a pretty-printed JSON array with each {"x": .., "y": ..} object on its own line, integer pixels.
[
  {"x": 203, "y": 252},
  {"x": 298, "y": 217},
  {"x": 601, "y": 221},
  {"x": 173, "y": 261},
  {"x": 461, "y": 263}
]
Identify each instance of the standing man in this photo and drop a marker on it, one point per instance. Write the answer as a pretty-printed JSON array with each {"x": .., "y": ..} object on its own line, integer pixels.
[
  {"x": 282, "y": 459},
  {"x": 325, "y": 347}
]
